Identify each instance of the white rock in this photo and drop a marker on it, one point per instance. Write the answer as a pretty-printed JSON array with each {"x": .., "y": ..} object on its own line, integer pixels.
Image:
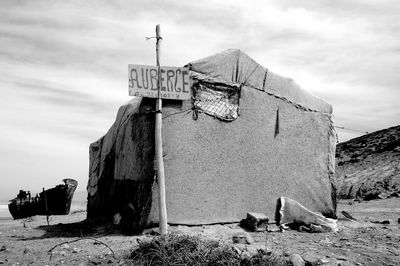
[{"x": 297, "y": 260}]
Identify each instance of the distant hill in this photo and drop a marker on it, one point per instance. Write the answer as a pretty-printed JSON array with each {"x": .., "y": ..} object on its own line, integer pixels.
[{"x": 368, "y": 167}]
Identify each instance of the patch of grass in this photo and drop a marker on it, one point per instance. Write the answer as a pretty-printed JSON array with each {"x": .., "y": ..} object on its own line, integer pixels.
[{"x": 175, "y": 249}]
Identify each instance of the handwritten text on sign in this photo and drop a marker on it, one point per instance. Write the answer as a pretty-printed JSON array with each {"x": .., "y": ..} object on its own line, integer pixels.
[{"x": 175, "y": 82}]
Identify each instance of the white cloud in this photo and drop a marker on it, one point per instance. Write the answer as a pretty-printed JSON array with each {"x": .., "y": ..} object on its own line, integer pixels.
[{"x": 64, "y": 64}]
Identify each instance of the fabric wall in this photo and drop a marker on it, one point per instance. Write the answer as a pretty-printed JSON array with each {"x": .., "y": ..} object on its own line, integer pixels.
[
  {"x": 281, "y": 144},
  {"x": 217, "y": 171},
  {"x": 121, "y": 172}
]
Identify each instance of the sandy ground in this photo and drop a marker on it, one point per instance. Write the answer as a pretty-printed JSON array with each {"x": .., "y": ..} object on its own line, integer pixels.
[{"x": 361, "y": 242}]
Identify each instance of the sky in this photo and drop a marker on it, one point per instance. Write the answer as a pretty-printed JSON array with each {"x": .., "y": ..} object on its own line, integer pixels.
[{"x": 64, "y": 67}]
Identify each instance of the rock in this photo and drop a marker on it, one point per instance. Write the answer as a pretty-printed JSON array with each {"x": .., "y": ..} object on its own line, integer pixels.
[
  {"x": 142, "y": 239},
  {"x": 65, "y": 246},
  {"x": 311, "y": 259},
  {"x": 345, "y": 263},
  {"x": 327, "y": 262},
  {"x": 76, "y": 250},
  {"x": 342, "y": 258},
  {"x": 152, "y": 231},
  {"x": 297, "y": 260},
  {"x": 273, "y": 228},
  {"x": 398, "y": 220},
  {"x": 256, "y": 248},
  {"x": 255, "y": 221},
  {"x": 383, "y": 195},
  {"x": 387, "y": 221},
  {"x": 323, "y": 261},
  {"x": 287, "y": 253},
  {"x": 237, "y": 250},
  {"x": 242, "y": 239}
]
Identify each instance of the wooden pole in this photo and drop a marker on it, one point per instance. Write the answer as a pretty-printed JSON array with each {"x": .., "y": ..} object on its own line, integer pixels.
[{"x": 159, "y": 149}]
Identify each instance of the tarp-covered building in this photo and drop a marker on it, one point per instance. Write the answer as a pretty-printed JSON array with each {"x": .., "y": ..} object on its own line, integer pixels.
[{"x": 247, "y": 137}]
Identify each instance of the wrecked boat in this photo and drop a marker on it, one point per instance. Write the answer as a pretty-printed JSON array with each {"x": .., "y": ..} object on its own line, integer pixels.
[{"x": 54, "y": 201}]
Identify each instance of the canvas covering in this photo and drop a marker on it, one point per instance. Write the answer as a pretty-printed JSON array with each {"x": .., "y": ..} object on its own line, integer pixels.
[
  {"x": 234, "y": 66},
  {"x": 218, "y": 171}
]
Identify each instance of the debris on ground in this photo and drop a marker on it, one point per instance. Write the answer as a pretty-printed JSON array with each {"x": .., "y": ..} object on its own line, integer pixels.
[
  {"x": 243, "y": 238},
  {"x": 348, "y": 216},
  {"x": 292, "y": 213},
  {"x": 255, "y": 222}
]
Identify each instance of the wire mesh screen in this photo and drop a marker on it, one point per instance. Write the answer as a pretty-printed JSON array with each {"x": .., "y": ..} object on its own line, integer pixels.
[{"x": 218, "y": 100}]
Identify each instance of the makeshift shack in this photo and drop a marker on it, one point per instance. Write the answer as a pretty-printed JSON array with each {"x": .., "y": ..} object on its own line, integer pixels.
[{"x": 247, "y": 137}]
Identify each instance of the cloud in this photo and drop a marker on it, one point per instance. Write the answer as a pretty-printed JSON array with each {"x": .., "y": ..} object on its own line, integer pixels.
[
  {"x": 64, "y": 64},
  {"x": 35, "y": 160}
]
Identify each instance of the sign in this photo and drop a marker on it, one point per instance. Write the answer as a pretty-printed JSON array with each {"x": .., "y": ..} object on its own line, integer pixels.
[{"x": 175, "y": 82}]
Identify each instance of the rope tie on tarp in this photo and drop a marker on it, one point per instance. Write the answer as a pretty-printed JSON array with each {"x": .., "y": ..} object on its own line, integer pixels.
[
  {"x": 195, "y": 114},
  {"x": 265, "y": 79},
  {"x": 277, "y": 123}
]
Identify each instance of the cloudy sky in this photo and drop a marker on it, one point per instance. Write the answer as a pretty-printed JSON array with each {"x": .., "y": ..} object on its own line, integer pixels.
[{"x": 64, "y": 67}]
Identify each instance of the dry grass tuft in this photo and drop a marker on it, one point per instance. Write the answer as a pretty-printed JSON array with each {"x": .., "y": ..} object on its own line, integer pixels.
[{"x": 175, "y": 249}]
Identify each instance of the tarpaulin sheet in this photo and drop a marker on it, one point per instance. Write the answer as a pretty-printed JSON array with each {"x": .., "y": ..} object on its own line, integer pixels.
[
  {"x": 217, "y": 171},
  {"x": 234, "y": 66}
]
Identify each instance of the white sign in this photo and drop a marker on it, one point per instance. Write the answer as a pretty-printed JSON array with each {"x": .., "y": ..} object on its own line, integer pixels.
[{"x": 175, "y": 82}]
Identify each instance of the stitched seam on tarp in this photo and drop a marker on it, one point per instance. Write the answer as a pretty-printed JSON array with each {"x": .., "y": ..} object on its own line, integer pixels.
[
  {"x": 265, "y": 79},
  {"x": 297, "y": 105}
]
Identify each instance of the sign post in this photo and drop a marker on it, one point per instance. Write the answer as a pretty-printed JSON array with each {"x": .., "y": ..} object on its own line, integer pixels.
[
  {"x": 175, "y": 82},
  {"x": 158, "y": 141},
  {"x": 160, "y": 83}
]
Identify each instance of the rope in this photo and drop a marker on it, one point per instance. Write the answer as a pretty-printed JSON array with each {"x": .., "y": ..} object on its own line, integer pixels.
[
  {"x": 350, "y": 129},
  {"x": 179, "y": 112}
]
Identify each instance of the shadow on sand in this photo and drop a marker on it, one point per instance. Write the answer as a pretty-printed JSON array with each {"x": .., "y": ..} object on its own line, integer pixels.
[{"x": 85, "y": 228}]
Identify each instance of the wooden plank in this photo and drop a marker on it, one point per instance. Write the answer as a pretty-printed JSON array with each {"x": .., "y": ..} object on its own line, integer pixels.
[
  {"x": 175, "y": 82},
  {"x": 159, "y": 149}
]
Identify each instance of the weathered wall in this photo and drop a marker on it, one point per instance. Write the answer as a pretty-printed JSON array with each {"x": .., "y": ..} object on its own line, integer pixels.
[
  {"x": 217, "y": 171},
  {"x": 121, "y": 173}
]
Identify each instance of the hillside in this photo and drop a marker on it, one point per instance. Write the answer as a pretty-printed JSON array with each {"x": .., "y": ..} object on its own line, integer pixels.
[{"x": 368, "y": 167}]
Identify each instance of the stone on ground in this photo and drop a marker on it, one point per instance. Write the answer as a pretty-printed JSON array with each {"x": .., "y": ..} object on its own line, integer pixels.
[{"x": 297, "y": 260}]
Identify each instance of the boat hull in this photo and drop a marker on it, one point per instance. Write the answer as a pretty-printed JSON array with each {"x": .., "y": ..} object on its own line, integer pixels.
[{"x": 54, "y": 201}]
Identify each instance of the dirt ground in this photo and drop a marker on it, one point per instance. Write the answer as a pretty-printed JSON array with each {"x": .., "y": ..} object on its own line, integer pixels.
[{"x": 361, "y": 242}]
